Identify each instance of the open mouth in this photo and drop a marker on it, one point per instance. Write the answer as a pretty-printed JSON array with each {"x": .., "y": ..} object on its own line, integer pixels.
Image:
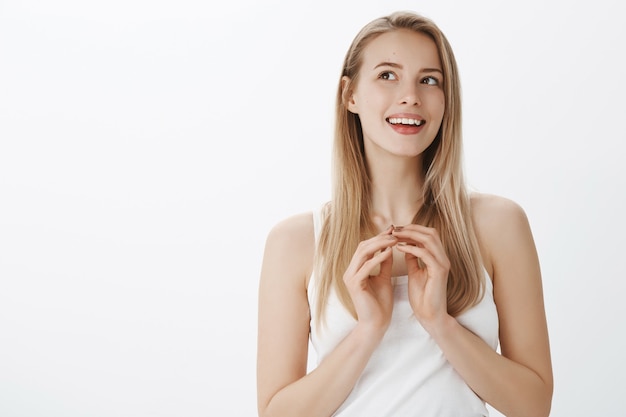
[{"x": 405, "y": 121}]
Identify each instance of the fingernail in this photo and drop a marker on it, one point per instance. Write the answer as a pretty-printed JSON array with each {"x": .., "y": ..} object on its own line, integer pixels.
[{"x": 397, "y": 228}]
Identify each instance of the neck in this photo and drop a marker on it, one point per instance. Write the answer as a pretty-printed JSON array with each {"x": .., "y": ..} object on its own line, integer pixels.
[{"x": 396, "y": 189}]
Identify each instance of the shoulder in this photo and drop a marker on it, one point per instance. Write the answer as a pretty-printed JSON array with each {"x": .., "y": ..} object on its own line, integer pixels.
[
  {"x": 290, "y": 246},
  {"x": 501, "y": 226},
  {"x": 295, "y": 231},
  {"x": 491, "y": 212}
]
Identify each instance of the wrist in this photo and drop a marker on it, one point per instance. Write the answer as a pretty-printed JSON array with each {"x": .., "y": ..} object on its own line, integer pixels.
[
  {"x": 441, "y": 326},
  {"x": 368, "y": 335}
]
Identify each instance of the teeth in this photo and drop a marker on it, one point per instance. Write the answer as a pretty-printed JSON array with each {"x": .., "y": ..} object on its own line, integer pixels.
[{"x": 405, "y": 121}]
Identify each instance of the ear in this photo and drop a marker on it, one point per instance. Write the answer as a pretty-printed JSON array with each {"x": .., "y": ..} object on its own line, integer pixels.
[{"x": 347, "y": 96}]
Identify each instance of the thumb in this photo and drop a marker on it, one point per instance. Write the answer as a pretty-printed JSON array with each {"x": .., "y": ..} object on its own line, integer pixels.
[{"x": 415, "y": 270}]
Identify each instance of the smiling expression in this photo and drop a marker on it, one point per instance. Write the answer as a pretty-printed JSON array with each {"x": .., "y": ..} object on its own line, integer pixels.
[{"x": 399, "y": 93}]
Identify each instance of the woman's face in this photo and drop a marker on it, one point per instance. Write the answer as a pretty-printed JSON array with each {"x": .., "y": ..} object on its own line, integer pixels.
[{"x": 399, "y": 94}]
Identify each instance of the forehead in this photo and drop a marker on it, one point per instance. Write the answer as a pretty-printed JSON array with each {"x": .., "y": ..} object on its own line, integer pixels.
[{"x": 402, "y": 46}]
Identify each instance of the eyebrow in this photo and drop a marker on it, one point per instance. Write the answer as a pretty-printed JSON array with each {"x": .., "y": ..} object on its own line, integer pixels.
[{"x": 395, "y": 65}]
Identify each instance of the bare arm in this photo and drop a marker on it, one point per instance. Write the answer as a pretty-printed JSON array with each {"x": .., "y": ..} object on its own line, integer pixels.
[
  {"x": 284, "y": 388},
  {"x": 518, "y": 382}
]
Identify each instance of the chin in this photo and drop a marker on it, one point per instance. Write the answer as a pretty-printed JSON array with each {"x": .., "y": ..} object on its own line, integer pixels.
[{"x": 408, "y": 153}]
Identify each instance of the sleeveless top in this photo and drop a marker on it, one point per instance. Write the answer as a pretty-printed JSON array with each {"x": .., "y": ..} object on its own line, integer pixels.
[{"x": 407, "y": 375}]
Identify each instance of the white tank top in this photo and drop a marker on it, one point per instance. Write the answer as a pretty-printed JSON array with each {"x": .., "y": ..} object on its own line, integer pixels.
[{"x": 407, "y": 375}]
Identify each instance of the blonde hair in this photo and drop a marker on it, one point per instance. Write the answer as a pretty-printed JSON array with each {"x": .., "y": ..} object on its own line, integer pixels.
[{"x": 446, "y": 205}]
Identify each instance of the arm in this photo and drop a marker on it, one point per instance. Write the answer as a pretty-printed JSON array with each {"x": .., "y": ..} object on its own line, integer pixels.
[
  {"x": 518, "y": 382},
  {"x": 284, "y": 388}
]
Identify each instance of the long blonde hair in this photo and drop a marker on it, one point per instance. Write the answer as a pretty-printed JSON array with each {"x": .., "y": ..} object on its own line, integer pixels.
[{"x": 446, "y": 205}]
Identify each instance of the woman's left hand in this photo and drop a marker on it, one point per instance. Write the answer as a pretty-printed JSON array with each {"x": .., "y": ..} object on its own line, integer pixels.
[{"x": 427, "y": 267}]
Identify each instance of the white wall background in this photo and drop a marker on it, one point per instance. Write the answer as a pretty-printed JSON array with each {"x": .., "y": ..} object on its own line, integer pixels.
[{"x": 147, "y": 147}]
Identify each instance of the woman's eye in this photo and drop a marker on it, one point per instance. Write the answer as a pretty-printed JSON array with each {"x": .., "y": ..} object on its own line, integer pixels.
[
  {"x": 430, "y": 81},
  {"x": 387, "y": 75}
]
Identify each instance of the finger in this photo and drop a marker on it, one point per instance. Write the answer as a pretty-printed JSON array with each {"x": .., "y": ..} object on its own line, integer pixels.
[
  {"x": 416, "y": 275},
  {"x": 386, "y": 264},
  {"x": 413, "y": 263},
  {"x": 426, "y": 257},
  {"x": 418, "y": 233},
  {"x": 411, "y": 226},
  {"x": 376, "y": 261},
  {"x": 367, "y": 248},
  {"x": 423, "y": 236}
]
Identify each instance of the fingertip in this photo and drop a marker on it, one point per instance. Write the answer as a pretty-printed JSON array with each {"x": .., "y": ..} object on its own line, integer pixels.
[
  {"x": 387, "y": 253},
  {"x": 403, "y": 246}
]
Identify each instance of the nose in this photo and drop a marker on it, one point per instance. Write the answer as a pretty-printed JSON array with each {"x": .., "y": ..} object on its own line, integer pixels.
[{"x": 410, "y": 95}]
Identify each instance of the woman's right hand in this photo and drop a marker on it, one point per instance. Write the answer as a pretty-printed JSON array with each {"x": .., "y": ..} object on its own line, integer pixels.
[{"x": 372, "y": 294}]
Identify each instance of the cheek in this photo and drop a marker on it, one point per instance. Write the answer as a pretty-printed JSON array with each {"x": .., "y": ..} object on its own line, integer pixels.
[
  {"x": 441, "y": 104},
  {"x": 361, "y": 102},
  {"x": 436, "y": 102}
]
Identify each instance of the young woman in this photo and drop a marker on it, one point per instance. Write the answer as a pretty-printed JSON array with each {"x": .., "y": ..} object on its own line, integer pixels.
[{"x": 404, "y": 282}]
